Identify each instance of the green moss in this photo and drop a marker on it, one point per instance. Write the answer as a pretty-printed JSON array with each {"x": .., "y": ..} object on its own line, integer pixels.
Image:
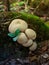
[
  {"x": 34, "y": 22},
  {"x": 47, "y": 23},
  {"x": 37, "y": 24}
]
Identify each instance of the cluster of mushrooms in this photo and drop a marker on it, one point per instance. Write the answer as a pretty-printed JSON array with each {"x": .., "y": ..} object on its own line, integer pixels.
[{"x": 26, "y": 37}]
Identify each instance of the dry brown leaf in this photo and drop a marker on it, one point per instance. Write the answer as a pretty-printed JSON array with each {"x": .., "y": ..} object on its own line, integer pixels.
[
  {"x": 33, "y": 58},
  {"x": 44, "y": 48}
]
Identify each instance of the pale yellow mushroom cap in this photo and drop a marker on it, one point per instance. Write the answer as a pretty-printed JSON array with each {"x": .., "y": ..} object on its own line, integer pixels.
[
  {"x": 29, "y": 43},
  {"x": 31, "y": 34},
  {"x": 22, "y": 38},
  {"x": 33, "y": 47},
  {"x": 18, "y": 24}
]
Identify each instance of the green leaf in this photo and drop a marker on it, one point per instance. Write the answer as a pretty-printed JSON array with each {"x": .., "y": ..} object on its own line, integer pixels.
[
  {"x": 21, "y": 3},
  {"x": 11, "y": 34},
  {"x": 15, "y": 38},
  {"x": 17, "y": 32}
]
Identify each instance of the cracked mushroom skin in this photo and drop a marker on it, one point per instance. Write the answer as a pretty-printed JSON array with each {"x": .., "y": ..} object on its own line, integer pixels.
[
  {"x": 18, "y": 24},
  {"x": 33, "y": 47},
  {"x": 31, "y": 34},
  {"x": 22, "y": 38}
]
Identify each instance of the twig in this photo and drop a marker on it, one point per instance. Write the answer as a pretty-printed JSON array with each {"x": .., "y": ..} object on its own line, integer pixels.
[{"x": 38, "y": 6}]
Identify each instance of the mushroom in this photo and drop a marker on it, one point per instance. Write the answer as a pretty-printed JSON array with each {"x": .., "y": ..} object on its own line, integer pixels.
[
  {"x": 17, "y": 24},
  {"x": 29, "y": 43},
  {"x": 22, "y": 38},
  {"x": 26, "y": 36},
  {"x": 33, "y": 47},
  {"x": 31, "y": 34}
]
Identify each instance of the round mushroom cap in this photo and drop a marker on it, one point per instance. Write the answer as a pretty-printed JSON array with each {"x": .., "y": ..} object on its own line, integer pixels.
[
  {"x": 22, "y": 38},
  {"x": 17, "y": 24},
  {"x": 33, "y": 47},
  {"x": 31, "y": 34},
  {"x": 29, "y": 43}
]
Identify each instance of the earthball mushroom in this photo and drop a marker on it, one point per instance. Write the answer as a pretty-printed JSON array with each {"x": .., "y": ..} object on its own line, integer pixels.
[
  {"x": 20, "y": 32},
  {"x": 17, "y": 24},
  {"x": 33, "y": 46},
  {"x": 31, "y": 34},
  {"x": 29, "y": 43},
  {"x": 22, "y": 38}
]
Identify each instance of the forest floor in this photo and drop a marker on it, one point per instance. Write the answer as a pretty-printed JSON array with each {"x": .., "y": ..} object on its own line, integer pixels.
[{"x": 38, "y": 57}]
